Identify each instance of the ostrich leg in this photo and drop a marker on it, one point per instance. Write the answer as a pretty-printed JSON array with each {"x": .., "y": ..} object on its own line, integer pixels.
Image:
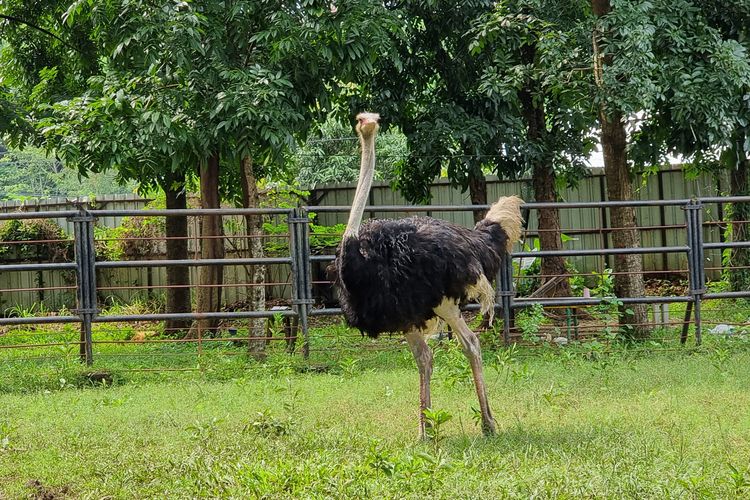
[
  {"x": 451, "y": 313},
  {"x": 423, "y": 357}
]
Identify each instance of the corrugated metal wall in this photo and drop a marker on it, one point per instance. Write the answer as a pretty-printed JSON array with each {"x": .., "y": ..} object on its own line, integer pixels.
[{"x": 590, "y": 227}]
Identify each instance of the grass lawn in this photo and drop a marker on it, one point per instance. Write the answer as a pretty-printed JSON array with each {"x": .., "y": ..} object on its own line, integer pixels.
[{"x": 573, "y": 422}]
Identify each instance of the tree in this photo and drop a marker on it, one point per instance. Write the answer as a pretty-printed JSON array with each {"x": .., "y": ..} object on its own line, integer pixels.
[
  {"x": 199, "y": 87},
  {"x": 628, "y": 267},
  {"x": 705, "y": 112},
  {"x": 330, "y": 151},
  {"x": 431, "y": 92},
  {"x": 52, "y": 55},
  {"x": 664, "y": 60},
  {"x": 33, "y": 174},
  {"x": 537, "y": 68},
  {"x": 41, "y": 61}
]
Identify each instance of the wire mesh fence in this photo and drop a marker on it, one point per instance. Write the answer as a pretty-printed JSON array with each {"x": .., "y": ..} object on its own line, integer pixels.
[{"x": 95, "y": 302}]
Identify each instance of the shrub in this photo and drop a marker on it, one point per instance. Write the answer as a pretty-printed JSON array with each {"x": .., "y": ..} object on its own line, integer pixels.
[{"x": 58, "y": 246}]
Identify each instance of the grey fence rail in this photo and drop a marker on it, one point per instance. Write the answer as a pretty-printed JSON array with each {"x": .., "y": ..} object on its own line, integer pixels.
[{"x": 300, "y": 260}]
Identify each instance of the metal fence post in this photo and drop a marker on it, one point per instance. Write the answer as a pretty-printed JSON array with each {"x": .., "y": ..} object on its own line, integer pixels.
[
  {"x": 299, "y": 231},
  {"x": 85, "y": 254},
  {"x": 504, "y": 293},
  {"x": 696, "y": 265}
]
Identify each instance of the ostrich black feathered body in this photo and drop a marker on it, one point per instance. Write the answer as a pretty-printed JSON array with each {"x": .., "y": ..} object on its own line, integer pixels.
[{"x": 392, "y": 276}]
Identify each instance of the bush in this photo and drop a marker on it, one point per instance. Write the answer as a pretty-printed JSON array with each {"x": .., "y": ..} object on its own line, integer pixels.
[
  {"x": 58, "y": 246},
  {"x": 136, "y": 238}
]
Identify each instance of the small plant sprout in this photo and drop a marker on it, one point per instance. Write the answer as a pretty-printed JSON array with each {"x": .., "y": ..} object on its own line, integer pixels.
[
  {"x": 434, "y": 420},
  {"x": 349, "y": 367}
]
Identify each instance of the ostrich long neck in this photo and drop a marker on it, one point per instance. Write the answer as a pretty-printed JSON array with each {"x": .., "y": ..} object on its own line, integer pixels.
[{"x": 366, "y": 173}]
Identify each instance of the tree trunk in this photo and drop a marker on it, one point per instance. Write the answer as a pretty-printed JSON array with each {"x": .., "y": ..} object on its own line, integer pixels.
[
  {"x": 478, "y": 193},
  {"x": 545, "y": 191},
  {"x": 739, "y": 263},
  {"x": 553, "y": 268},
  {"x": 178, "y": 277},
  {"x": 254, "y": 226},
  {"x": 628, "y": 267},
  {"x": 212, "y": 247}
]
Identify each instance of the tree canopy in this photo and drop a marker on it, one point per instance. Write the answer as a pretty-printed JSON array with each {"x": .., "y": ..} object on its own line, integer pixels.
[
  {"x": 431, "y": 91},
  {"x": 32, "y": 174},
  {"x": 178, "y": 82},
  {"x": 330, "y": 154}
]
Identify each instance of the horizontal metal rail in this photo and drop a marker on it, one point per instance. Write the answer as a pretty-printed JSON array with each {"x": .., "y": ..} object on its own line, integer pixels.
[
  {"x": 53, "y": 266},
  {"x": 192, "y": 262},
  {"x": 464, "y": 208},
  {"x": 124, "y": 318},
  {"x": 727, "y": 295},
  {"x": 575, "y": 301},
  {"x": 533, "y": 205},
  {"x": 567, "y": 253},
  {"x": 519, "y": 303},
  {"x": 601, "y": 251},
  {"x": 190, "y": 212},
  {"x": 39, "y": 320},
  {"x": 728, "y": 244},
  {"x": 63, "y": 214}
]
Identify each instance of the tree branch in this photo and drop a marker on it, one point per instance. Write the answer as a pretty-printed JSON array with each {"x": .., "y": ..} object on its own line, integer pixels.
[{"x": 38, "y": 28}]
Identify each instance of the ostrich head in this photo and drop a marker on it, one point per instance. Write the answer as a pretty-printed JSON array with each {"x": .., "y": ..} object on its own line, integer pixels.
[{"x": 367, "y": 125}]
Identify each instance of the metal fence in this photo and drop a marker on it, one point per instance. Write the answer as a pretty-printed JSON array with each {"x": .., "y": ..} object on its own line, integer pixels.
[
  {"x": 583, "y": 229},
  {"x": 307, "y": 284}
]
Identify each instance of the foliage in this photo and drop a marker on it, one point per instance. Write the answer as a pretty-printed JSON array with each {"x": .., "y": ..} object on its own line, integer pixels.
[
  {"x": 331, "y": 154},
  {"x": 430, "y": 91},
  {"x": 281, "y": 195},
  {"x": 604, "y": 286},
  {"x": 32, "y": 174},
  {"x": 452, "y": 367},
  {"x": 321, "y": 237},
  {"x": 529, "y": 269},
  {"x": 529, "y": 322},
  {"x": 434, "y": 422},
  {"x": 41, "y": 61},
  {"x": 536, "y": 59},
  {"x": 268, "y": 425},
  {"x": 56, "y": 246},
  {"x": 180, "y": 82},
  {"x": 673, "y": 65},
  {"x": 135, "y": 238}
]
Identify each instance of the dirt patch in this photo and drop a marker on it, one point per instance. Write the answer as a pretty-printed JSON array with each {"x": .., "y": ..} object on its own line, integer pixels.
[{"x": 41, "y": 492}]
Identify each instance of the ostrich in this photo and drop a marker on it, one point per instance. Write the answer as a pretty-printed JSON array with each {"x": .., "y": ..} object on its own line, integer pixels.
[{"x": 407, "y": 275}]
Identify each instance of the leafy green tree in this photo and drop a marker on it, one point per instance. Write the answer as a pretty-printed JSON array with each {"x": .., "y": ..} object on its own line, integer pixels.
[
  {"x": 41, "y": 61},
  {"x": 712, "y": 92},
  {"x": 537, "y": 69},
  {"x": 431, "y": 92},
  {"x": 50, "y": 56},
  {"x": 331, "y": 152},
  {"x": 732, "y": 20},
  {"x": 662, "y": 59},
  {"x": 191, "y": 87},
  {"x": 32, "y": 174}
]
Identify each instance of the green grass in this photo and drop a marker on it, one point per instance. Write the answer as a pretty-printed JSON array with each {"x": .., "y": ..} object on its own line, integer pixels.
[{"x": 585, "y": 421}]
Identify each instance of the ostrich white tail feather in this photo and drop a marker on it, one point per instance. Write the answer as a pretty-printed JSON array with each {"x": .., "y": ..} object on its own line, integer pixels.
[{"x": 482, "y": 292}]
